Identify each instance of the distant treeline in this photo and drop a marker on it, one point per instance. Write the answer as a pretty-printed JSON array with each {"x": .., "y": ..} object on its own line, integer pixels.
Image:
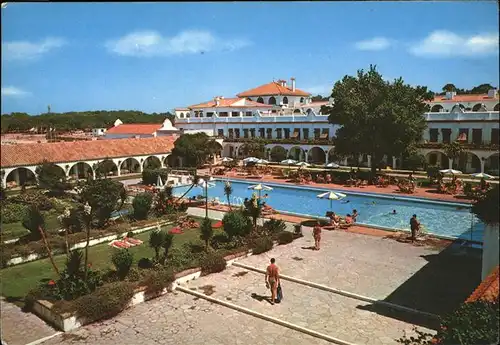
[{"x": 85, "y": 120}]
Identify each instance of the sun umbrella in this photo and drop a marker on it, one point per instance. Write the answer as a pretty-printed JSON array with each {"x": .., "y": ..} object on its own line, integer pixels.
[
  {"x": 288, "y": 161},
  {"x": 482, "y": 175},
  {"x": 332, "y": 165},
  {"x": 331, "y": 195},
  {"x": 260, "y": 187},
  {"x": 226, "y": 159},
  {"x": 250, "y": 159},
  {"x": 450, "y": 171},
  {"x": 159, "y": 182},
  {"x": 262, "y": 161},
  {"x": 303, "y": 164}
]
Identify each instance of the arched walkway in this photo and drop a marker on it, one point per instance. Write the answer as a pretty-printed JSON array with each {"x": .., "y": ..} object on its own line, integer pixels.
[
  {"x": 130, "y": 166},
  {"x": 81, "y": 170},
  {"x": 296, "y": 153},
  {"x": 316, "y": 155},
  {"x": 229, "y": 151},
  {"x": 107, "y": 168},
  {"x": 477, "y": 107},
  {"x": 437, "y": 108},
  {"x": 152, "y": 162},
  {"x": 491, "y": 164},
  {"x": 497, "y": 107},
  {"x": 297, "y": 111},
  {"x": 278, "y": 154},
  {"x": 469, "y": 163},
  {"x": 19, "y": 177},
  {"x": 333, "y": 157},
  {"x": 437, "y": 158}
]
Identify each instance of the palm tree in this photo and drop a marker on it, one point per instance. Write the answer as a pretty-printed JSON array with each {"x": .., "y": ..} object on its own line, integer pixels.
[
  {"x": 254, "y": 210},
  {"x": 168, "y": 240},
  {"x": 194, "y": 183},
  {"x": 206, "y": 232},
  {"x": 228, "y": 190},
  {"x": 156, "y": 240}
]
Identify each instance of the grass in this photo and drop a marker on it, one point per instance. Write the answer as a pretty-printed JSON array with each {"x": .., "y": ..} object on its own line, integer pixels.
[
  {"x": 16, "y": 230},
  {"x": 18, "y": 280}
]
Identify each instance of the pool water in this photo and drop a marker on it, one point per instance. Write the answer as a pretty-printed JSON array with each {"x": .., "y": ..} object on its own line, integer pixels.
[{"x": 453, "y": 220}]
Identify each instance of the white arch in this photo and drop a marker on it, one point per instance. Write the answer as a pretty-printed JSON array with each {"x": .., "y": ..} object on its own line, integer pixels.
[
  {"x": 76, "y": 170},
  {"x": 29, "y": 171},
  {"x": 139, "y": 163}
]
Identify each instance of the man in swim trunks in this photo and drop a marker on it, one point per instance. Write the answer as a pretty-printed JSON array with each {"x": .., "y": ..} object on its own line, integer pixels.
[
  {"x": 272, "y": 279},
  {"x": 317, "y": 235}
]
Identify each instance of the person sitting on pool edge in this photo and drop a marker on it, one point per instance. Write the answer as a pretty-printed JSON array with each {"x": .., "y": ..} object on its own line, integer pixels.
[
  {"x": 355, "y": 214},
  {"x": 348, "y": 219}
]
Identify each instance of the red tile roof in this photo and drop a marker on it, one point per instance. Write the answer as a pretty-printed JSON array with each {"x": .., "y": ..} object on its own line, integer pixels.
[
  {"x": 272, "y": 89},
  {"x": 463, "y": 98},
  {"x": 135, "y": 128},
  {"x": 229, "y": 103},
  {"x": 488, "y": 289},
  {"x": 32, "y": 154}
]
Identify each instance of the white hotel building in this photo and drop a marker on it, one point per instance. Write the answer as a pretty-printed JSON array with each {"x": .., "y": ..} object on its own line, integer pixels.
[{"x": 287, "y": 119}]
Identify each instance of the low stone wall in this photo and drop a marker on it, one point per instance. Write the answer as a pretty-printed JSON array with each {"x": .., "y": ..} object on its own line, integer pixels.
[{"x": 32, "y": 257}]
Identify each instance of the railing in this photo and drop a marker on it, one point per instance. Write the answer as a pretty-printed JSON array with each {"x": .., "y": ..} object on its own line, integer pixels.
[
  {"x": 280, "y": 141},
  {"x": 483, "y": 145}
]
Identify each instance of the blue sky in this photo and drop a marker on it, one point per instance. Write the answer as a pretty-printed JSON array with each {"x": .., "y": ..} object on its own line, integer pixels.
[{"x": 156, "y": 56}]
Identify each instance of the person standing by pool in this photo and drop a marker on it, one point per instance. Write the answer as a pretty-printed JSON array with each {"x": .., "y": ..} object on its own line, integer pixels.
[
  {"x": 272, "y": 279},
  {"x": 415, "y": 227},
  {"x": 317, "y": 235},
  {"x": 355, "y": 214}
]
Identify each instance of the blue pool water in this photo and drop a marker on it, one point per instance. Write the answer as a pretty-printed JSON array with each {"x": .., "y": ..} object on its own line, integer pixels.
[{"x": 453, "y": 220}]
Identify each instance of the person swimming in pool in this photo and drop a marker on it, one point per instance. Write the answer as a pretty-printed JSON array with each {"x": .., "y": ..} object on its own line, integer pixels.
[{"x": 393, "y": 212}]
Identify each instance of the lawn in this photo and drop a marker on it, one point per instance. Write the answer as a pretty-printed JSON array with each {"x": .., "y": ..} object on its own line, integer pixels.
[
  {"x": 18, "y": 280},
  {"x": 16, "y": 230}
]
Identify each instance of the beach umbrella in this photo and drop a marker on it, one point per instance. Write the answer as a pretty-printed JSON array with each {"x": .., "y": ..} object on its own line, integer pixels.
[
  {"x": 450, "y": 171},
  {"x": 226, "y": 160},
  {"x": 262, "y": 161},
  {"x": 482, "y": 175},
  {"x": 260, "y": 187},
  {"x": 250, "y": 160},
  {"x": 303, "y": 164},
  {"x": 159, "y": 182},
  {"x": 288, "y": 161},
  {"x": 332, "y": 165},
  {"x": 331, "y": 195}
]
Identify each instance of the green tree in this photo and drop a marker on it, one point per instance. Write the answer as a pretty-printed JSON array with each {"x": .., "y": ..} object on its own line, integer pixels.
[
  {"x": 253, "y": 209},
  {"x": 377, "y": 117},
  {"x": 193, "y": 149},
  {"x": 156, "y": 238},
  {"x": 236, "y": 224},
  {"x": 253, "y": 149},
  {"x": 206, "y": 232},
  {"x": 168, "y": 240},
  {"x": 414, "y": 161},
  {"x": 105, "y": 167},
  {"x": 453, "y": 150},
  {"x": 150, "y": 176},
  {"x": 278, "y": 154},
  {"x": 228, "y": 190},
  {"x": 319, "y": 98},
  {"x": 142, "y": 205},
  {"x": 481, "y": 89},
  {"x": 104, "y": 196},
  {"x": 449, "y": 88},
  {"x": 487, "y": 207},
  {"x": 51, "y": 177}
]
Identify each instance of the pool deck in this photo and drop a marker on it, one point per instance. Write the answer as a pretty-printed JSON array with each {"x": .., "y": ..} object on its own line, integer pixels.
[
  {"x": 420, "y": 192},
  {"x": 420, "y": 277}
]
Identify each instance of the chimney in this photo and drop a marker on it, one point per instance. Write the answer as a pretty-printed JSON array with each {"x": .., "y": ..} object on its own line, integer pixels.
[
  {"x": 217, "y": 101},
  {"x": 492, "y": 93},
  {"x": 450, "y": 94},
  {"x": 293, "y": 83}
]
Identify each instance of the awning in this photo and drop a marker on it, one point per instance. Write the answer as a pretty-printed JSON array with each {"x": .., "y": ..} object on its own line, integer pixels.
[
  {"x": 323, "y": 136},
  {"x": 295, "y": 134},
  {"x": 462, "y": 137}
]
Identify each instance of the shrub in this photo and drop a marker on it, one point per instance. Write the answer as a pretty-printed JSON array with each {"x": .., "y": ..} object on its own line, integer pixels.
[
  {"x": 134, "y": 274},
  {"x": 236, "y": 224},
  {"x": 158, "y": 280},
  {"x": 432, "y": 172},
  {"x": 36, "y": 198},
  {"x": 206, "y": 231},
  {"x": 274, "y": 226},
  {"x": 262, "y": 245},
  {"x": 107, "y": 301},
  {"x": 122, "y": 259},
  {"x": 130, "y": 234},
  {"x": 12, "y": 212},
  {"x": 181, "y": 259},
  {"x": 33, "y": 220},
  {"x": 145, "y": 263},
  {"x": 212, "y": 263},
  {"x": 194, "y": 247},
  {"x": 219, "y": 240},
  {"x": 150, "y": 176},
  {"x": 142, "y": 205},
  {"x": 285, "y": 237}
]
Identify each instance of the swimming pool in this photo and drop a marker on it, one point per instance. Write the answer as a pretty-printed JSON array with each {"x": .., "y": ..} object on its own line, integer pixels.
[{"x": 453, "y": 220}]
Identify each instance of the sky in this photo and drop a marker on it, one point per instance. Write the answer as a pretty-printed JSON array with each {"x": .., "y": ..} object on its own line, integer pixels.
[{"x": 154, "y": 57}]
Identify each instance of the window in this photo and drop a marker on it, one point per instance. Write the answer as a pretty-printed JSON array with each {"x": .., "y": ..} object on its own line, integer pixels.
[
  {"x": 210, "y": 114},
  {"x": 252, "y": 132},
  {"x": 463, "y": 135},
  {"x": 494, "y": 136},
  {"x": 237, "y": 133},
  {"x": 287, "y": 133},
  {"x": 220, "y": 132},
  {"x": 272, "y": 100},
  {"x": 181, "y": 115},
  {"x": 296, "y": 134},
  {"x": 261, "y": 133},
  {"x": 477, "y": 135},
  {"x": 301, "y": 99},
  {"x": 446, "y": 132},
  {"x": 437, "y": 108},
  {"x": 305, "y": 133},
  {"x": 260, "y": 100},
  {"x": 223, "y": 114},
  {"x": 269, "y": 133},
  {"x": 279, "y": 133},
  {"x": 285, "y": 100},
  {"x": 188, "y": 115},
  {"x": 230, "y": 133},
  {"x": 433, "y": 134},
  {"x": 433, "y": 159},
  {"x": 248, "y": 113},
  {"x": 245, "y": 133},
  {"x": 235, "y": 114},
  {"x": 324, "y": 133},
  {"x": 317, "y": 133}
]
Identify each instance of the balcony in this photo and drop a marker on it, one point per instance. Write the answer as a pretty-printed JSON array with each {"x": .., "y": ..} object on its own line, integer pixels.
[
  {"x": 471, "y": 146},
  {"x": 281, "y": 141}
]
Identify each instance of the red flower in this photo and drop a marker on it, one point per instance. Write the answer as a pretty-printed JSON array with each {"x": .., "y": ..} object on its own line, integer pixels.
[{"x": 51, "y": 283}]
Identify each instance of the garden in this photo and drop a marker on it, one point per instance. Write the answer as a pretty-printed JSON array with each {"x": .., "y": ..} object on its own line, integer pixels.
[{"x": 98, "y": 281}]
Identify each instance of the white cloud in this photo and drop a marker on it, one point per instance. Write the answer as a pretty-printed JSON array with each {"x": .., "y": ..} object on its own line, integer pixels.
[
  {"x": 444, "y": 43},
  {"x": 152, "y": 43},
  {"x": 375, "y": 43},
  {"x": 11, "y": 91},
  {"x": 25, "y": 50}
]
